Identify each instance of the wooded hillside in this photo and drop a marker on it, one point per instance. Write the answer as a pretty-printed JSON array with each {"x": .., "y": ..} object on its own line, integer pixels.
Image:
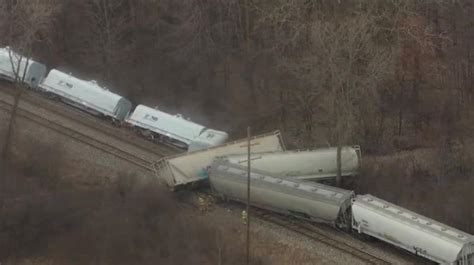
[{"x": 394, "y": 75}]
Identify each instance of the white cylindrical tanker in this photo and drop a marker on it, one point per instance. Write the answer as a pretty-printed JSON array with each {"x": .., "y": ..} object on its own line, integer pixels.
[
  {"x": 180, "y": 131},
  {"x": 315, "y": 164},
  {"x": 14, "y": 65},
  {"x": 86, "y": 95},
  {"x": 411, "y": 231},
  {"x": 313, "y": 201}
]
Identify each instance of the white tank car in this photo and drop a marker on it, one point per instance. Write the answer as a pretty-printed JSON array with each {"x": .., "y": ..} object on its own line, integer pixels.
[
  {"x": 86, "y": 95},
  {"x": 182, "y": 132},
  {"x": 12, "y": 62},
  {"x": 313, "y": 201},
  {"x": 318, "y": 164},
  {"x": 191, "y": 168},
  {"x": 411, "y": 231}
]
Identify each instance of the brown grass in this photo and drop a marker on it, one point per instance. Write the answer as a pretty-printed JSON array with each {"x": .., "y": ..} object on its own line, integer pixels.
[{"x": 126, "y": 222}]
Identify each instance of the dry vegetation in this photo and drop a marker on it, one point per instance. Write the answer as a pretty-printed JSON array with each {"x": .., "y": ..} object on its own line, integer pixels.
[
  {"x": 394, "y": 76},
  {"x": 125, "y": 222}
]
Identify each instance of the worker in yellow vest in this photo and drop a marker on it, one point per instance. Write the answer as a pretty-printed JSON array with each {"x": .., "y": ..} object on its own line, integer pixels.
[
  {"x": 202, "y": 204},
  {"x": 244, "y": 217}
]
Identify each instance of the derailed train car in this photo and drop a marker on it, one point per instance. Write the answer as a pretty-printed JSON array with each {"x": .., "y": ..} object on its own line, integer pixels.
[
  {"x": 411, "y": 231},
  {"x": 190, "y": 169},
  {"x": 86, "y": 95},
  {"x": 317, "y": 164},
  {"x": 14, "y": 66},
  {"x": 312, "y": 201},
  {"x": 175, "y": 129}
]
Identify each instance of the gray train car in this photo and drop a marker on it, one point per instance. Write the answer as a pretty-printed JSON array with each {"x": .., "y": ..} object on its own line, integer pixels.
[
  {"x": 14, "y": 66},
  {"x": 313, "y": 201},
  {"x": 86, "y": 95},
  {"x": 411, "y": 231},
  {"x": 317, "y": 164}
]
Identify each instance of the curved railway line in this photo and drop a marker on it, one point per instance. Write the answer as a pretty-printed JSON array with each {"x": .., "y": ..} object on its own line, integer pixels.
[
  {"x": 304, "y": 228},
  {"x": 300, "y": 227},
  {"x": 83, "y": 138},
  {"x": 32, "y": 97}
]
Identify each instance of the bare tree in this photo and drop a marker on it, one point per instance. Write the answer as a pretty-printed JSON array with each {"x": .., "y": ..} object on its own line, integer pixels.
[
  {"x": 109, "y": 23},
  {"x": 26, "y": 23},
  {"x": 340, "y": 74}
]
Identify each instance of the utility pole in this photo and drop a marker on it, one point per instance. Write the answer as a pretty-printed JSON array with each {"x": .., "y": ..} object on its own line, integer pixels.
[
  {"x": 339, "y": 164},
  {"x": 247, "y": 26},
  {"x": 248, "y": 195}
]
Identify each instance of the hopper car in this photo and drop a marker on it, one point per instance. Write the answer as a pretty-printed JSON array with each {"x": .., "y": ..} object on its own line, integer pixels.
[
  {"x": 85, "y": 95},
  {"x": 277, "y": 177},
  {"x": 189, "y": 169},
  {"x": 184, "y": 133},
  {"x": 413, "y": 232},
  {"x": 99, "y": 101},
  {"x": 14, "y": 66},
  {"x": 317, "y": 164},
  {"x": 311, "y": 201}
]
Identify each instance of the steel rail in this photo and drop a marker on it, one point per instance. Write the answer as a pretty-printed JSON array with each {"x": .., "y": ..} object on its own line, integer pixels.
[
  {"x": 80, "y": 137},
  {"x": 38, "y": 100},
  {"x": 304, "y": 228}
]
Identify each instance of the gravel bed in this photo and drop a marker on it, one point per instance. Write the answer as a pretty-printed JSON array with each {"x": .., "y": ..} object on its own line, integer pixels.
[
  {"x": 92, "y": 166},
  {"x": 91, "y": 132},
  {"x": 87, "y": 124},
  {"x": 295, "y": 240},
  {"x": 84, "y": 164},
  {"x": 373, "y": 246}
]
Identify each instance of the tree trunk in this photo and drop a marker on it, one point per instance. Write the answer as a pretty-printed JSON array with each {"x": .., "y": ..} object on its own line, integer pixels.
[
  {"x": 400, "y": 112},
  {"x": 379, "y": 141},
  {"x": 415, "y": 95},
  {"x": 226, "y": 73},
  {"x": 6, "y": 150}
]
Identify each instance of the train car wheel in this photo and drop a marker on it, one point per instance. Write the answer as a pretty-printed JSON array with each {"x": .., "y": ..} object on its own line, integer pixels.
[
  {"x": 362, "y": 236},
  {"x": 151, "y": 136},
  {"x": 116, "y": 122},
  {"x": 146, "y": 133},
  {"x": 51, "y": 96},
  {"x": 160, "y": 138}
]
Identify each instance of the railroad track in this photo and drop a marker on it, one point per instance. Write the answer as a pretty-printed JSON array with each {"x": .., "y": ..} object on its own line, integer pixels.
[
  {"x": 308, "y": 230},
  {"x": 78, "y": 136},
  {"x": 298, "y": 226},
  {"x": 304, "y": 228},
  {"x": 31, "y": 97}
]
